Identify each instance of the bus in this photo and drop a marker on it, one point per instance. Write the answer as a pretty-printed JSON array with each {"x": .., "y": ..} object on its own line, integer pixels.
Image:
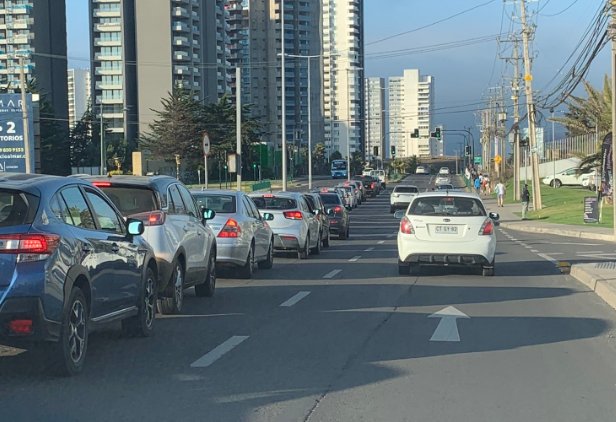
[{"x": 339, "y": 169}]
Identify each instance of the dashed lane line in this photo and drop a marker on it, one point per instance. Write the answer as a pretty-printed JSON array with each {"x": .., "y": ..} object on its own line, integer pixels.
[
  {"x": 294, "y": 299},
  {"x": 332, "y": 274},
  {"x": 355, "y": 258},
  {"x": 218, "y": 352}
]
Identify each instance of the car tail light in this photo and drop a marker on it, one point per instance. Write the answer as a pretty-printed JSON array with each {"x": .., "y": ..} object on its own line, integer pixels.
[
  {"x": 28, "y": 243},
  {"x": 153, "y": 218},
  {"x": 20, "y": 327},
  {"x": 406, "y": 226},
  {"x": 101, "y": 184},
  {"x": 487, "y": 228},
  {"x": 373, "y": 185},
  {"x": 230, "y": 230},
  {"x": 293, "y": 215},
  {"x": 337, "y": 209}
]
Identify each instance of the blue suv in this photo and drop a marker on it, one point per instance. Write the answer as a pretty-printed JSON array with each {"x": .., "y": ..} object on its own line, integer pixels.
[{"x": 69, "y": 262}]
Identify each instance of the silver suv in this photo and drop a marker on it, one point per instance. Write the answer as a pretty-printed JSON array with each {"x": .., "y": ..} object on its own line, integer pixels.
[{"x": 184, "y": 246}]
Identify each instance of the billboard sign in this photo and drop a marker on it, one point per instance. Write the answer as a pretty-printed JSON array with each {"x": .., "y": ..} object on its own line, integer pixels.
[{"x": 12, "y": 147}]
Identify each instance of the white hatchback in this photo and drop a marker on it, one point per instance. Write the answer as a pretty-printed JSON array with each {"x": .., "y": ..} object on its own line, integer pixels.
[{"x": 446, "y": 229}]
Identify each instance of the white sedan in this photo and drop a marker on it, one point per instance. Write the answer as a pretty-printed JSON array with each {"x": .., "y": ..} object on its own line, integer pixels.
[{"x": 446, "y": 229}]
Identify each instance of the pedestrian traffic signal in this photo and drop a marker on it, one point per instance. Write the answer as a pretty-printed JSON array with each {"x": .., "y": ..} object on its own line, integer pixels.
[{"x": 467, "y": 150}]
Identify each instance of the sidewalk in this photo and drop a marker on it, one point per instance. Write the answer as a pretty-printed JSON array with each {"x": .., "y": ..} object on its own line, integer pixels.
[{"x": 600, "y": 277}]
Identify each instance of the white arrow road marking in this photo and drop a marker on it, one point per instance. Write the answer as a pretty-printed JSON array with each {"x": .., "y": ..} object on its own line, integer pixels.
[
  {"x": 447, "y": 329},
  {"x": 294, "y": 299},
  {"x": 332, "y": 274},
  {"x": 216, "y": 353}
]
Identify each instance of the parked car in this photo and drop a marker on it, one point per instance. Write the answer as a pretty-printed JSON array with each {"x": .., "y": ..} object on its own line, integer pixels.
[
  {"x": 569, "y": 177},
  {"x": 318, "y": 208},
  {"x": 294, "y": 225},
  {"x": 336, "y": 213},
  {"x": 401, "y": 196},
  {"x": 446, "y": 229},
  {"x": 185, "y": 247},
  {"x": 244, "y": 239},
  {"x": 70, "y": 263}
]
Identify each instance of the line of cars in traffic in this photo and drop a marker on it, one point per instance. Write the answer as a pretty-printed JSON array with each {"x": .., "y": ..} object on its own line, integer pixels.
[{"x": 79, "y": 252}]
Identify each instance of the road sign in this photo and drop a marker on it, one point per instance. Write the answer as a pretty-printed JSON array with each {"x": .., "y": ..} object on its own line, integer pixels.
[
  {"x": 498, "y": 159},
  {"x": 206, "y": 143},
  {"x": 12, "y": 147},
  {"x": 477, "y": 159}
]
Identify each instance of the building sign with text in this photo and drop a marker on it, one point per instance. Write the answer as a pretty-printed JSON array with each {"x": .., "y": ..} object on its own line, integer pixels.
[{"x": 12, "y": 147}]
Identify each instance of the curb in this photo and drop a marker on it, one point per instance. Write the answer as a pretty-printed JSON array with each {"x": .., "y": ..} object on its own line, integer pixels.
[
  {"x": 581, "y": 234},
  {"x": 600, "y": 277}
]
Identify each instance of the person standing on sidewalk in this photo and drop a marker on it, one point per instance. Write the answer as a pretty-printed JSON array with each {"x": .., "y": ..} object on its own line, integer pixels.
[
  {"x": 477, "y": 185},
  {"x": 525, "y": 201},
  {"x": 500, "y": 193}
]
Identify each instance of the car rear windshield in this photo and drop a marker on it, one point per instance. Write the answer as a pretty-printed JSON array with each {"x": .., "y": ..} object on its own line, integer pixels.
[
  {"x": 274, "y": 203},
  {"x": 447, "y": 205},
  {"x": 17, "y": 208},
  {"x": 222, "y": 204},
  {"x": 330, "y": 199},
  {"x": 132, "y": 200},
  {"x": 406, "y": 189}
]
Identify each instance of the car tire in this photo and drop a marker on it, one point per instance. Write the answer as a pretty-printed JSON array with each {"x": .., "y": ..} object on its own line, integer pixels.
[
  {"x": 208, "y": 287},
  {"x": 142, "y": 324},
  {"x": 173, "y": 304},
  {"x": 269, "y": 261},
  {"x": 303, "y": 252},
  {"x": 487, "y": 271},
  {"x": 247, "y": 270},
  {"x": 556, "y": 183},
  {"x": 69, "y": 353},
  {"x": 326, "y": 240},
  {"x": 317, "y": 249}
]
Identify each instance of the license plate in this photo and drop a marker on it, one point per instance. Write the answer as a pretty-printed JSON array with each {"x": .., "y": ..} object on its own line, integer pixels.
[{"x": 446, "y": 229}]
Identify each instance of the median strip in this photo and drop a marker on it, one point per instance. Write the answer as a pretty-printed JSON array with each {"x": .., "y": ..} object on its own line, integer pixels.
[
  {"x": 218, "y": 352},
  {"x": 294, "y": 299}
]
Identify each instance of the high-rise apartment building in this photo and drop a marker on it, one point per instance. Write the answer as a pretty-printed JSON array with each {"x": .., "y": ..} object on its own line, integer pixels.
[
  {"x": 343, "y": 75},
  {"x": 411, "y": 100},
  {"x": 36, "y": 30},
  {"x": 255, "y": 46},
  {"x": 79, "y": 94},
  {"x": 375, "y": 123},
  {"x": 142, "y": 51}
]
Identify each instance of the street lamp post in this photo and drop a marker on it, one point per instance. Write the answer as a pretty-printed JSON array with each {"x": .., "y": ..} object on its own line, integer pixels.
[
  {"x": 102, "y": 136},
  {"x": 349, "y": 120},
  {"x": 283, "y": 122}
]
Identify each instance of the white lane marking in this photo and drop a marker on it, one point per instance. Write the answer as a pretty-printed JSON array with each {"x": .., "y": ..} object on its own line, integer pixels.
[
  {"x": 380, "y": 242},
  {"x": 534, "y": 250},
  {"x": 294, "y": 299},
  {"x": 447, "y": 329},
  {"x": 355, "y": 258},
  {"x": 332, "y": 274},
  {"x": 392, "y": 235},
  {"x": 575, "y": 243},
  {"x": 368, "y": 250},
  {"x": 216, "y": 353},
  {"x": 527, "y": 246},
  {"x": 548, "y": 258}
]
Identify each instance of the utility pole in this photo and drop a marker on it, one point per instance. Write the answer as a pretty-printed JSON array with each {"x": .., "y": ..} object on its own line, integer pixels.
[
  {"x": 530, "y": 106},
  {"x": 24, "y": 113},
  {"x": 238, "y": 126},
  {"x": 283, "y": 122},
  {"x": 613, "y": 28},
  {"x": 515, "y": 97}
]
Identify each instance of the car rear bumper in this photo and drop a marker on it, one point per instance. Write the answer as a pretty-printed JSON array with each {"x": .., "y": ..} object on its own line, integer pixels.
[
  {"x": 400, "y": 204},
  {"x": 27, "y": 308},
  {"x": 447, "y": 259},
  {"x": 411, "y": 250},
  {"x": 231, "y": 253},
  {"x": 286, "y": 242}
]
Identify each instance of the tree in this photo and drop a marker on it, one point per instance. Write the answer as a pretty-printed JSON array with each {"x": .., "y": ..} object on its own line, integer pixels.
[
  {"x": 84, "y": 150},
  {"x": 357, "y": 162},
  {"x": 55, "y": 145},
  {"x": 335, "y": 156},
  {"x": 318, "y": 158}
]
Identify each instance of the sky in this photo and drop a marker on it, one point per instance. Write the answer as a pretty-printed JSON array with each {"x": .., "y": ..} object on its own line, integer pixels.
[{"x": 463, "y": 75}]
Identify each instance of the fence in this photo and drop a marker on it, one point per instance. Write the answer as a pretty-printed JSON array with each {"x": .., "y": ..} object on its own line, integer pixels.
[{"x": 578, "y": 146}]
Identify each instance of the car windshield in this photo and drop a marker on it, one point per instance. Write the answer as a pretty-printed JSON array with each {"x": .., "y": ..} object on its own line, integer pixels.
[
  {"x": 132, "y": 200},
  {"x": 330, "y": 198},
  {"x": 274, "y": 203},
  {"x": 444, "y": 187},
  {"x": 222, "y": 204},
  {"x": 16, "y": 208},
  {"x": 447, "y": 206},
  {"x": 406, "y": 189}
]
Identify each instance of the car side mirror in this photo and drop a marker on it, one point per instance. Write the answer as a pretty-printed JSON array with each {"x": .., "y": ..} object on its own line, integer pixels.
[
  {"x": 316, "y": 212},
  {"x": 399, "y": 214},
  {"x": 135, "y": 227},
  {"x": 207, "y": 213},
  {"x": 494, "y": 216},
  {"x": 268, "y": 216}
]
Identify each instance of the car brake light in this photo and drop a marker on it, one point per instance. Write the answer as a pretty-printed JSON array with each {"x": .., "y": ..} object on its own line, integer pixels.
[
  {"x": 230, "y": 230},
  {"x": 153, "y": 218},
  {"x": 293, "y": 215},
  {"x": 406, "y": 226},
  {"x": 268, "y": 195},
  {"x": 28, "y": 243},
  {"x": 101, "y": 184},
  {"x": 21, "y": 326},
  {"x": 487, "y": 228},
  {"x": 373, "y": 185},
  {"x": 338, "y": 209}
]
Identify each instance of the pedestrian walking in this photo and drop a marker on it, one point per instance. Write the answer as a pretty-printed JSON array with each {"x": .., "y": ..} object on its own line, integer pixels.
[
  {"x": 525, "y": 201},
  {"x": 477, "y": 185},
  {"x": 499, "y": 189}
]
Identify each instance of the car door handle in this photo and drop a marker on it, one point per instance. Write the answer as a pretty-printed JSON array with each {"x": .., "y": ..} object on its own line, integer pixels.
[{"x": 115, "y": 248}]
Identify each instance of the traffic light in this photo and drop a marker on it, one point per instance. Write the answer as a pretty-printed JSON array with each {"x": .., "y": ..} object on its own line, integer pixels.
[
  {"x": 437, "y": 133},
  {"x": 254, "y": 165},
  {"x": 467, "y": 150},
  {"x": 375, "y": 151},
  {"x": 393, "y": 151},
  {"x": 415, "y": 133}
]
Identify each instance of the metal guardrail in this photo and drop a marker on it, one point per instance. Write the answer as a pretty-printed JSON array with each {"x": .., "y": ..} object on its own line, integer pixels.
[{"x": 263, "y": 185}]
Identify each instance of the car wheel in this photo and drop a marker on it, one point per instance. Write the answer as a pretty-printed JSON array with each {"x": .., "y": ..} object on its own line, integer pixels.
[
  {"x": 269, "y": 262},
  {"x": 317, "y": 249},
  {"x": 487, "y": 271},
  {"x": 247, "y": 270},
  {"x": 404, "y": 268},
  {"x": 303, "y": 253},
  {"x": 141, "y": 325},
  {"x": 70, "y": 352},
  {"x": 326, "y": 240},
  {"x": 173, "y": 304},
  {"x": 208, "y": 287},
  {"x": 556, "y": 183}
]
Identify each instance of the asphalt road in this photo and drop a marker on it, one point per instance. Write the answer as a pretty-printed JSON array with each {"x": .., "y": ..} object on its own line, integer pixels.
[{"x": 352, "y": 343}]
